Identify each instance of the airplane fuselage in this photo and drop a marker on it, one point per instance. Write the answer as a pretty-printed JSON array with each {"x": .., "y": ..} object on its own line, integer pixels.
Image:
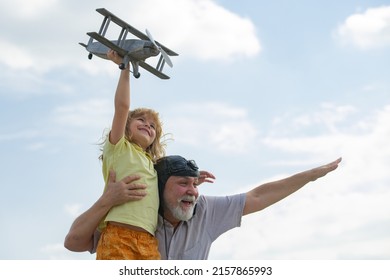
[{"x": 136, "y": 49}]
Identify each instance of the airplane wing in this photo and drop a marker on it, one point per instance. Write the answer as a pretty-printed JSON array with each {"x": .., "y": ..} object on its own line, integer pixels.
[
  {"x": 131, "y": 29},
  {"x": 107, "y": 43},
  {"x": 153, "y": 70},
  {"x": 122, "y": 53}
]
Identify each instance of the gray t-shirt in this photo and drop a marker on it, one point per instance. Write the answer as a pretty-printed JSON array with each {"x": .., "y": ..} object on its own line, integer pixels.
[{"x": 192, "y": 239}]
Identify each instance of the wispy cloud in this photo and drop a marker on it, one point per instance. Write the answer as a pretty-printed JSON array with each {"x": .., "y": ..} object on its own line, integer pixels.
[
  {"x": 13, "y": 56},
  {"x": 29, "y": 10},
  {"x": 73, "y": 209},
  {"x": 88, "y": 113},
  {"x": 226, "y": 128},
  {"x": 21, "y": 135}
]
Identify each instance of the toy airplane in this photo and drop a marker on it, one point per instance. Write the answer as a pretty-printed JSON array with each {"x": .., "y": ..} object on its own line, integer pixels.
[{"x": 134, "y": 51}]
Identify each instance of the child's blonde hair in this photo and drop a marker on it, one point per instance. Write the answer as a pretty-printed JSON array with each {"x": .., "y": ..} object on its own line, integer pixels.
[{"x": 157, "y": 149}]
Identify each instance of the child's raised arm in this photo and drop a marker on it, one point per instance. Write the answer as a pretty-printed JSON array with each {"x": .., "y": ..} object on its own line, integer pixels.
[{"x": 121, "y": 101}]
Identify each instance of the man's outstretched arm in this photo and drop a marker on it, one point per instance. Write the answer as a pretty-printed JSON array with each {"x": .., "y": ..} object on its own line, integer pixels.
[{"x": 272, "y": 192}]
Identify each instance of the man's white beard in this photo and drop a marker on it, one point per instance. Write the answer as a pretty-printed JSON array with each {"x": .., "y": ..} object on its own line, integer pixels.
[{"x": 181, "y": 214}]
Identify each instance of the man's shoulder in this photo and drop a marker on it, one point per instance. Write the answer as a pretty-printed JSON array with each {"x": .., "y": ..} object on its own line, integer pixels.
[
  {"x": 205, "y": 201},
  {"x": 219, "y": 213},
  {"x": 220, "y": 197}
]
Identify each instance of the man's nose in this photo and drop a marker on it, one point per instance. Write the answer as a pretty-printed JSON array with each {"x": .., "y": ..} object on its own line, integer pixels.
[{"x": 192, "y": 190}]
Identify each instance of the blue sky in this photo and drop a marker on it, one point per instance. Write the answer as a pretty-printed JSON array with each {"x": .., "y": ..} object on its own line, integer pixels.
[{"x": 260, "y": 90}]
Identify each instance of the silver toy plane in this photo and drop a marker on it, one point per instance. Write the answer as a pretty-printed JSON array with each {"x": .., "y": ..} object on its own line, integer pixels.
[{"x": 134, "y": 51}]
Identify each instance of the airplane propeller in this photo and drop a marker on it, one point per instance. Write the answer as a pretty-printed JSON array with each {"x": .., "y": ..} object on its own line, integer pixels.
[{"x": 164, "y": 54}]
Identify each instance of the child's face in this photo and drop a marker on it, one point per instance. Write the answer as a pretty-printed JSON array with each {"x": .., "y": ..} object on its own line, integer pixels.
[{"x": 143, "y": 130}]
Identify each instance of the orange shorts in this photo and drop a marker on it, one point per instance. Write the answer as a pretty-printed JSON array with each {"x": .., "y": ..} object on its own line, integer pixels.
[{"x": 121, "y": 243}]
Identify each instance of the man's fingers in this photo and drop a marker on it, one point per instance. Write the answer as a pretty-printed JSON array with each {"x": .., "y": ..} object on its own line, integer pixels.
[
  {"x": 204, "y": 179},
  {"x": 130, "y": 179},
  {"x": 135, "y": 197},
  {"x": 112, "y": 176},
  {"x": 206, "y": 174},
  {"x": 136, "y": 186},
  {"x": 333, "y": 165},
  {"x": 325, "y": 169},
  {"x": 208, "y": 181},
  {"x": 337, "y": 161},
  {"x": 136, "y": 194}
]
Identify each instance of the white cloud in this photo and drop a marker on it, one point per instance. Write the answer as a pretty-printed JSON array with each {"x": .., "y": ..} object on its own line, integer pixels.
[
  {"x": 224, "y": 127},
  {"x": 234, "y": 136},
  {"x": 27, "y": 9},
  {"x": 14, "y": 56},
  {"x": 368, "y": 30},
  {"x": 344, "y": 215},
  {"x": 363, "y": 145},
  {"x": 205, "y": 30},
  {"x": 200, "y": 29},
  {"x": 322, "y": 133}
]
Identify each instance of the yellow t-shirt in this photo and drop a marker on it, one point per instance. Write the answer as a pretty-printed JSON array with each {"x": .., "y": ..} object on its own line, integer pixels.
[{"x": 125, "y": 159}]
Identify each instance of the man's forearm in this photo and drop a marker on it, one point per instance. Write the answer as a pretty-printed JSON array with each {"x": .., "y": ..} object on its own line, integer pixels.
[
  {"x": 272, "y": 192},
  {"x": 80, "y": 236}
]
